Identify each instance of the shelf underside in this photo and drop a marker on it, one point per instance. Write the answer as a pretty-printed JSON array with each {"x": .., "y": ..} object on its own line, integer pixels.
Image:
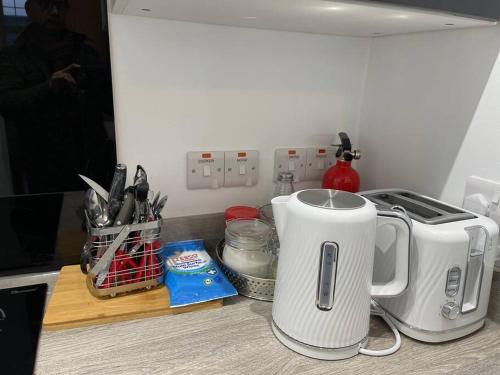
[{"x": 347, "y": 18}]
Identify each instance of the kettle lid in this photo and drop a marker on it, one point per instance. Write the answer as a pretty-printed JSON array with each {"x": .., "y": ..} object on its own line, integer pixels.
[{"x": 331, "y": 199}]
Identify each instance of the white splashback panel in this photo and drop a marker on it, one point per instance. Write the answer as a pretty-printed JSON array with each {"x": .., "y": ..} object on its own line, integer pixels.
[
  {"x": 183, "y": 87},
  {"x": 431, "y": 112},
  {"x": 350, "y": 18}
]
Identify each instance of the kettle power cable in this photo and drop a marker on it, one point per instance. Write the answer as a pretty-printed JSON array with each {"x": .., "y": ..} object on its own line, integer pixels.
[{"x": 378, "y": 311}]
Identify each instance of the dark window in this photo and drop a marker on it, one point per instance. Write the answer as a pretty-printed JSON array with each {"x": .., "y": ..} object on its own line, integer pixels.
[
  {"x": 14, "y": 8},
  {"x": 14, "y": 19}
]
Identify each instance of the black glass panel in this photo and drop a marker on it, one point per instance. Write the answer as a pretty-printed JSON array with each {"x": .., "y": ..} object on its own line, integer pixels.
[
  {"x": 21, "y": 313},
  {"x": 56, "y": 103},
  {"x": 56, "y": 121},
  {"x": 29, "y": 226}
]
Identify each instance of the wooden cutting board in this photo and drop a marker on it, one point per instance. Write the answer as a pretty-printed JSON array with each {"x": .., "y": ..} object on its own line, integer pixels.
[{"x": 72, "y": 305}]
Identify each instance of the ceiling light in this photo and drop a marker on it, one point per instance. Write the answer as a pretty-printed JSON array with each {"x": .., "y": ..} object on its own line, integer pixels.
[
  {"x": 401, "y": 16},
  {"x": 336, "y": 7},
  {"x": 249, "y": 18}
]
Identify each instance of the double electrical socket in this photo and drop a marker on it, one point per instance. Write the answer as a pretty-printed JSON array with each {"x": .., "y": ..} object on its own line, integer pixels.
[
  {"x": 216, "y": 169},
  {"x": 482, "y": 196},
  {"x": 306, "y": 164}
]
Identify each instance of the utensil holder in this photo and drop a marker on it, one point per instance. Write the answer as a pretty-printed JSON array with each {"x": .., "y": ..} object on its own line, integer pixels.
[
  {"x": 246, "y": 285},
  {"x": 123, "y": 259}
]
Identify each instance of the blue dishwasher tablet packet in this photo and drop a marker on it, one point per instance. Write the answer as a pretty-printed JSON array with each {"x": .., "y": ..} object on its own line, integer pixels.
[{"x": 192, "y": 276}]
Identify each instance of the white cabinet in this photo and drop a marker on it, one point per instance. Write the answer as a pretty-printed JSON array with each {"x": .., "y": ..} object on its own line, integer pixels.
[
  {"x": 358, "y": 18},
  {"x": 487, "y": 9}
]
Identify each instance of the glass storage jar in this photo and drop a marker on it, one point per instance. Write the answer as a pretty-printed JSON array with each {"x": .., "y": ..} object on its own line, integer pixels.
[
  {"x": 284, "y": 185},
  {"x": 266, "y": 214},
  {"x": 248, "y": 248}
]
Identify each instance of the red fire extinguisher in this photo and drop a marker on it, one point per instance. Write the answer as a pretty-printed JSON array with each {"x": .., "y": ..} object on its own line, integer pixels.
[{"x": 342, "y": 176}]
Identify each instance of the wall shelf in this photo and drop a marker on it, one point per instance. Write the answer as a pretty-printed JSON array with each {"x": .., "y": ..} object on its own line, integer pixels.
[{"x": 339, "y": 17}]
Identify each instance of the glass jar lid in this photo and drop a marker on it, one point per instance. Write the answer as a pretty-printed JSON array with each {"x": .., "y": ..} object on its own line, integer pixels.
[
  {"x": 248, "y": 234},
  {"x": 241, "y": 212},
  {"x": 285, "y": 176}
]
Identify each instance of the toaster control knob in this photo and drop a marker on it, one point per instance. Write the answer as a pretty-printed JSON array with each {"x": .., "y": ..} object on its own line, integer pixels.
[{"x": 450, "y": 311}]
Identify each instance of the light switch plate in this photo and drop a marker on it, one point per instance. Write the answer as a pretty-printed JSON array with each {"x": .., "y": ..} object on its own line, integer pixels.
[
  {"x": 205, "y": 170},
  {"x": 241, "y": 168},
  {"x": 319, "y": 159},
  {"x": 290, "y": 160}
]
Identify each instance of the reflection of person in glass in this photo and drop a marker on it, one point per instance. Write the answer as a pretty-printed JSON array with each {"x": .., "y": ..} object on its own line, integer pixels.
[{"x": 54, "y": 90}]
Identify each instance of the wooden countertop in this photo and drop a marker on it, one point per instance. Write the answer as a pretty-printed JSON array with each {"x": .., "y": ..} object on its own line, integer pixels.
[{"x": 237, "y": 339}]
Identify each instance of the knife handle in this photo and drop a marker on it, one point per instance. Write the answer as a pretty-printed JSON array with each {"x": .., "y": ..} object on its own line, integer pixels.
[
  {"x": 84, "y": 261},
  {"x": 140, "y": 175},
  {"x": 117, "y": 189},
  {"x": 127, "y": 210}
]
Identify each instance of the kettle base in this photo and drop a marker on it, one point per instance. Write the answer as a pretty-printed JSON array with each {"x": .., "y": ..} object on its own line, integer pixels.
[{"x": 329, "y": 354}]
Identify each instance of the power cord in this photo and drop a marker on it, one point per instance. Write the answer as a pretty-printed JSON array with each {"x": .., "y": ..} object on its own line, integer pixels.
[{"x": 377, "y": 310}]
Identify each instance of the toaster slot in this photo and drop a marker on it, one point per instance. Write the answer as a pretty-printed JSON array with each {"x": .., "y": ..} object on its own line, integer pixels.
[
  {"x": 420, "y": 208},
  {"x": 417, "y": 210},
  {"x": 447, "y": 213},
  {"x": 478, "y": 241},
  {"x": 443, "y": 208}
]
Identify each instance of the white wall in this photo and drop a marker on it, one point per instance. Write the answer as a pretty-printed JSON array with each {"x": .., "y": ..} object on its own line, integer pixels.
[
  {"x": 183, "y": 87},
  {"x": 431, "y": 113}
]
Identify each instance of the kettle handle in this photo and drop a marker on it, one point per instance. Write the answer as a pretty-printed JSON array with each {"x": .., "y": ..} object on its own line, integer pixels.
[
  {"x": 398, "y": 219},
  {"x": 279, "y": 205}
]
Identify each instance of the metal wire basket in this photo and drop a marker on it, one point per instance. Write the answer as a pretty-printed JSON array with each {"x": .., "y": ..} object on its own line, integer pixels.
[
  {"x": 123, "y": 259},
  {"x": 249, "y": 286}
]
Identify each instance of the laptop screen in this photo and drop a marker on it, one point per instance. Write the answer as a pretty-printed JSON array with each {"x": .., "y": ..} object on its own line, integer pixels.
[{"x": 21, "y": 315}]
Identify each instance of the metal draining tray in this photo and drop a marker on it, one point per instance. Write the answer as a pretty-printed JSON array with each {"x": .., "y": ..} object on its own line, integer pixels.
[
  {"x": 249, "y": 286},
  {"x": 419, "y": 207}
]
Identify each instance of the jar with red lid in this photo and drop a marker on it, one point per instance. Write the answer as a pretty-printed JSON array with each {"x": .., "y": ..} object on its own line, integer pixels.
[{"x": 241, "y": 212}]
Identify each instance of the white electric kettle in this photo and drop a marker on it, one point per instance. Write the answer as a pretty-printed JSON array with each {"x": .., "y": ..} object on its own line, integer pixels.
[{"x": 323, "y": 289}]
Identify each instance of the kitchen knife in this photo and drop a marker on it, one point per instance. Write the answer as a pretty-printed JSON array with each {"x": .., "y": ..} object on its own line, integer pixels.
[
  {"x": 141, "y": 195},
  {"x": 117, "y": 190},
  {"x": 140, "y": 175},
  {"x": 142, "y": 204},
  {"x": 98, "y": 188},
  {"x": 159, "y": 207},
  {"x": 155, "y": 200},
  {"x": 127, "y": 210}
]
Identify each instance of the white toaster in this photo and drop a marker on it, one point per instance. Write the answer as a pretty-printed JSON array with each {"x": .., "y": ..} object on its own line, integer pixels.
[{"x": 451, "y": 266}]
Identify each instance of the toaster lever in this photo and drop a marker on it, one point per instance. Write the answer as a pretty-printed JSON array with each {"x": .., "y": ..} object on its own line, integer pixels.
[{"x": 478, "y": 241}]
